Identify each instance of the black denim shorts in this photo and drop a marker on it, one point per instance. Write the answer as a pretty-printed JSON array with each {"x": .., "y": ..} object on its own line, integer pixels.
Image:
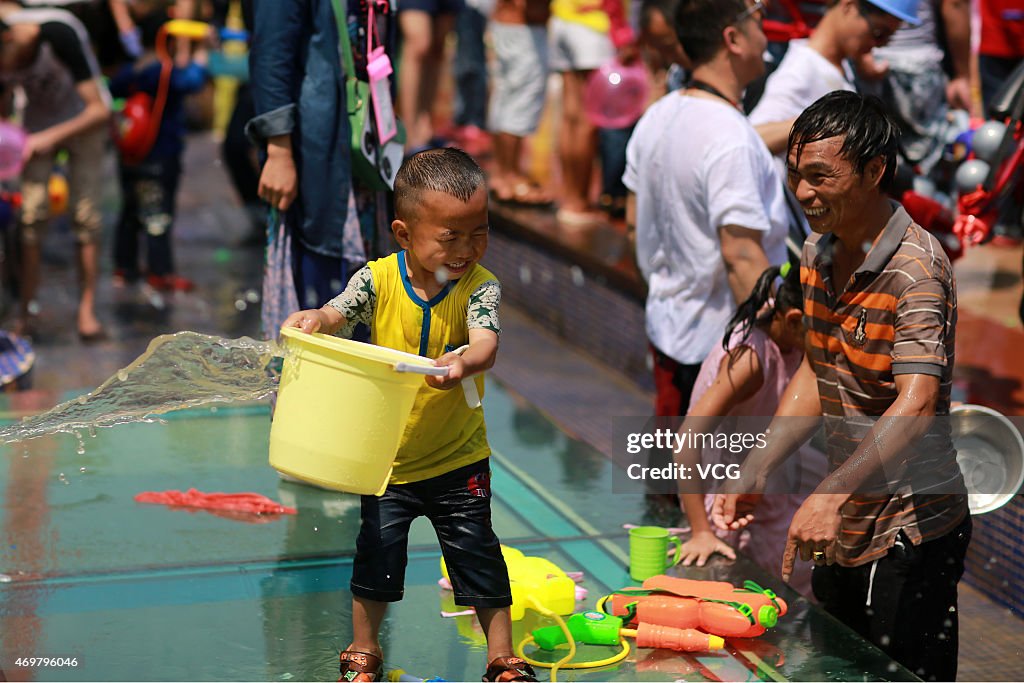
[{"x": 458, "y": 505}]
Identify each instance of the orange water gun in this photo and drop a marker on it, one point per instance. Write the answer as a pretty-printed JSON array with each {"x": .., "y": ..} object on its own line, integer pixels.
[{"x": 717, "y": 608}]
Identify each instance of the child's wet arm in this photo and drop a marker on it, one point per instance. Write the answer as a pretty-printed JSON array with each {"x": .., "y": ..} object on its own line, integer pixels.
[{"x": 482, "y": 351}]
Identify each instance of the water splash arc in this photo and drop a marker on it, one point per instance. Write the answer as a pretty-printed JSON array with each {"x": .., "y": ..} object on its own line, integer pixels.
[{"x": 177, "y": 371}]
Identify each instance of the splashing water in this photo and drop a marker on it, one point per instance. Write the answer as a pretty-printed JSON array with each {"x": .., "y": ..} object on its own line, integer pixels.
[{"x": 180, "y": 370}]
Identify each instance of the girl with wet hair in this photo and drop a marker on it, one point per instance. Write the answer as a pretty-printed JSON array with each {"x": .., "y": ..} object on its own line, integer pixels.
[{"x": 738, "y": 388}]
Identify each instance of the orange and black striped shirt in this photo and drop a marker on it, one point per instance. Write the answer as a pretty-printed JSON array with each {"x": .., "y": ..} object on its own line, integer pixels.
[{"x": 896, "y": 316}]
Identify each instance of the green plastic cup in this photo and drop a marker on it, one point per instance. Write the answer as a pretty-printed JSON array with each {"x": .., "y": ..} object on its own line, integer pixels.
[{"x": 648, "y": 551}]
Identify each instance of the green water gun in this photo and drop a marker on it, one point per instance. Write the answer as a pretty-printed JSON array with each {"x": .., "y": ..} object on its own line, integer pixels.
[{"x": 590, "y": 628}]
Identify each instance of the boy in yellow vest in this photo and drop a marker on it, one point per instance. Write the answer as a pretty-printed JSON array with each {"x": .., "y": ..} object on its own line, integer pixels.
[{"x": 432, "y": 299}]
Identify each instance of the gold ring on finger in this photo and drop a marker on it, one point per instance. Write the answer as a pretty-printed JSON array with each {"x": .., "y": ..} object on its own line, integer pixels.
[{"x": 817, "y": 556}]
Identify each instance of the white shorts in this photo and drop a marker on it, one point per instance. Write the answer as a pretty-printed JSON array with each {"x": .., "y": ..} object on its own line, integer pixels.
[
  {"x": 519, "y": 79},
  {"x": 575, "y": 47}
]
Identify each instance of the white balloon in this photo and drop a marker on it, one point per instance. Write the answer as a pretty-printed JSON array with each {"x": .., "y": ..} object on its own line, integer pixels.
[
  {"x": 987, "y": 139},
  {"x": 970, "y": 175}
]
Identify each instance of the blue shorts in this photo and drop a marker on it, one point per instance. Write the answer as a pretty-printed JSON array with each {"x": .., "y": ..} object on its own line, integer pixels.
[
  {"x": 432, "y": 7},
  {"x": 458, "y": 504}
]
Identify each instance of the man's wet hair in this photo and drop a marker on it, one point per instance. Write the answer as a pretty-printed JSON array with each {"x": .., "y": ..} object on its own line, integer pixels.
[
  {"x": 699, "y": 25},
  {"x": 862, "y": 121},
  {"x": 446, "y": 170}
]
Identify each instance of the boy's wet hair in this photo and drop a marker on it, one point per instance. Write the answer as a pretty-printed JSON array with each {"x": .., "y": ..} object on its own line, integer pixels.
[
  {"x": 752, "y": 312},
  {"x": 446, "y": 170},
  {"x": 863, "y": 122},
  {"x": 699, "y": 25}
]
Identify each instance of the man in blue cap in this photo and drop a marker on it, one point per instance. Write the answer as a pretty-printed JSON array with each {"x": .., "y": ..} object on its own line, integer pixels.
[
  {"x": 923, "y": 73},
  {"x": 814, "y": 67}
]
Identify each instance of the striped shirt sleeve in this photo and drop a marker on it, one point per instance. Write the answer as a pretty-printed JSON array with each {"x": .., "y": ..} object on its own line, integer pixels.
[{"x": 919, "y": 333}]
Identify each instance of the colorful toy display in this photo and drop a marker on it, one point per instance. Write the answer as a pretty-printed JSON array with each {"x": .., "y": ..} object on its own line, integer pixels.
[{"x": 670, "y": 613}]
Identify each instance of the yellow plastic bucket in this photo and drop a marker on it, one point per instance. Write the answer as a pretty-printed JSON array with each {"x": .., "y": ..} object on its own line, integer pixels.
[{"x": 341, "y": 410}]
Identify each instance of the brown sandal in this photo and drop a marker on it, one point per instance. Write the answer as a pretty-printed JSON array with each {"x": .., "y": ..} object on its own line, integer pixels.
[
  {"x": 354, "y": 664},
  {"x": 501, "y": 666}
]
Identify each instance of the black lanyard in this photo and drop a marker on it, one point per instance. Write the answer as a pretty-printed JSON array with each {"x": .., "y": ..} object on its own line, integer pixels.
[{"x": 710, "y": 89}]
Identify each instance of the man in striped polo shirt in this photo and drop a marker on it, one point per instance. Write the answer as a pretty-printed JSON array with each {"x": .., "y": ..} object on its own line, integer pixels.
[{"x": 889, "y": 527}]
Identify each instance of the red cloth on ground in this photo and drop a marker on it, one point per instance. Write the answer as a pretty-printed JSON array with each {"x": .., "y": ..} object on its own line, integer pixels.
[{"x": 252, "y": 503}]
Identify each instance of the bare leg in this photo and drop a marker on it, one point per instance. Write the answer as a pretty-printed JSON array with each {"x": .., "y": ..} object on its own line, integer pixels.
[
  {"x": 433, "y": 63},
  {"x": 507, "y": 149},
  {"x": 417, "y": 32},
  {"x": 497, "y": 626},
  {"x": 88, "y": 324},
  {"x": 367, "y": 616},
  {"x": 577, "y": 143},
  {"x": 28, "y": 285}
]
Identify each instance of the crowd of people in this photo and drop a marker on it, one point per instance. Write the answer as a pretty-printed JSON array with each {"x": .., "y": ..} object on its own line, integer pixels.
[{"x": 784, "y": 277}]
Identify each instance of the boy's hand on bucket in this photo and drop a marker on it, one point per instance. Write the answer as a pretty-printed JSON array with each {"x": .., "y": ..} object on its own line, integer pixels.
[
  {"x": 456, "y": 371},
  {"x": 314, "y": 320}
]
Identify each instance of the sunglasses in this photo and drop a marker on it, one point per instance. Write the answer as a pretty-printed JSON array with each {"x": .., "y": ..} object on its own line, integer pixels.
[{"x": 757, "y": 8}]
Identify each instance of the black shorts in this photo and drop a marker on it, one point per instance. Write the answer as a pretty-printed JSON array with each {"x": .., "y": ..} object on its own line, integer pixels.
[{"x": 458, "y": 504}]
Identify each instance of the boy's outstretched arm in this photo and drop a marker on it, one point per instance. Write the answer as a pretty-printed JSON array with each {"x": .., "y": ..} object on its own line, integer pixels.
[
  {"x": 479, "y": 357},
  {"x": 327, "y": 320}
]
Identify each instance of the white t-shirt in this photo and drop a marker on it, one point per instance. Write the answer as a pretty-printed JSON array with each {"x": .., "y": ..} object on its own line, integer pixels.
[
  {"x": 803, "y": 77},
  {"x": 697, "y": 165}
]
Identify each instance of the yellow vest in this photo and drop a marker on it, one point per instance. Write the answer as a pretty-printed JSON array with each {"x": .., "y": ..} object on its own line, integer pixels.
[{"x": 443, "y": 432}]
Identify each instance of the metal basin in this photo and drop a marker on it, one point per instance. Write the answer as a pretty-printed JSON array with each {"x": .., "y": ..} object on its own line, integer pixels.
[{"x": 990, "y": 452}]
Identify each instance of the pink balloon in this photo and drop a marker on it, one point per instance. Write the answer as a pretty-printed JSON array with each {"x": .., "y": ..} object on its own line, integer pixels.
[
  {"x": 12, "y": 149},
  {"x": 616, "y": 94}
]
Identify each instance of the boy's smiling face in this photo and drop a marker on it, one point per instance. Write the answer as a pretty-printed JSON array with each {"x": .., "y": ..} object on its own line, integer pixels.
[{"x": 445, "y": 237}]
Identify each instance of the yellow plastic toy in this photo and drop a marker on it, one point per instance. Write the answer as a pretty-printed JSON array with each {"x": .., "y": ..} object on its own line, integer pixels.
[
  {"x": 535, "y": 580},
  {"x": 58, "y": 191},
  {"x": 187, "y": 28}
]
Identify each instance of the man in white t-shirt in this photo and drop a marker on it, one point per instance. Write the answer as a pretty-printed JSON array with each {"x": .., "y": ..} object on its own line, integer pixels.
[{"x": 706, "y": 200}]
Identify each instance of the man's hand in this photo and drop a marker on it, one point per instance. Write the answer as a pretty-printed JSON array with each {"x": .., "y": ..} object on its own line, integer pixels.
[
  {"x": 732, "y": 511},
  {"x": 871, "y": 69},
  {"x": 456, "y": 371},
  {"x": 279, "y": 180},
  {"x": 701, "y": 546},
  {"x": 958, "y": 93},
  {"x": 814, "y": 532}
]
